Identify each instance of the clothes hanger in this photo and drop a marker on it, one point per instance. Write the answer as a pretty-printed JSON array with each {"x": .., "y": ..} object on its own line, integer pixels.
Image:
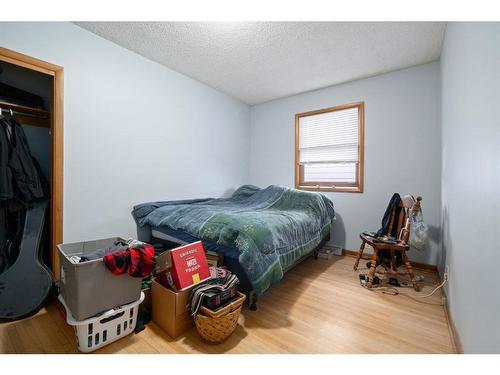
[
  {"x": 7, "y": 121},
  {"x": 11, "y": 112}
]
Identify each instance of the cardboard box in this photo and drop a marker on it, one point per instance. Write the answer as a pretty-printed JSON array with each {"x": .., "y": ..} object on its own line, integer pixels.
[
  {"x": 329, "y": 252},
  {"x": 325, "y": 253},
  {"x": 214, "y": 259},
  {"x": 170, "y": 309},
  {"x": 163, "y": 262}
]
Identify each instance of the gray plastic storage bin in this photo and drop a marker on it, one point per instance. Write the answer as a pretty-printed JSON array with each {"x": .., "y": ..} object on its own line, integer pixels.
[{"x": 89, "y": 288}]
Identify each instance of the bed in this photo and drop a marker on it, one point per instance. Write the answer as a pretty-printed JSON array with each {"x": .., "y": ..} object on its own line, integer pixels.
[{"x": 262, "y": 232}]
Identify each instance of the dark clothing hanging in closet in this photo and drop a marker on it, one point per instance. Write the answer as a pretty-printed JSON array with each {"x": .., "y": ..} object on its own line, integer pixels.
[
  {"x": 19, "y": 172},
  {"x": 6, "y": 187}
]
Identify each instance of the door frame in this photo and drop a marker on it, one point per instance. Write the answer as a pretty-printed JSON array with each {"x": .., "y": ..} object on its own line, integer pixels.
[{"x": 57, "y": 143}]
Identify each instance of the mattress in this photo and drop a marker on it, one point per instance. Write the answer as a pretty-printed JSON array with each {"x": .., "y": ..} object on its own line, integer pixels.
[{"x": 231, "y": 255}]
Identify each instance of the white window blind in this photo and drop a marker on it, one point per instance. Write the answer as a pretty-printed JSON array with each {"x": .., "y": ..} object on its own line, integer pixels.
[{"x": 329, "y": 146}]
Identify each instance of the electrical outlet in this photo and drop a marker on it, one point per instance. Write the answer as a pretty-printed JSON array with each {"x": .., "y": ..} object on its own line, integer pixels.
[{"x": 447, "y": 272}]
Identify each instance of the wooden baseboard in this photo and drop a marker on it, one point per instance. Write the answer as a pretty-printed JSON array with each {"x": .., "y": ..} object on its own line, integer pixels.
[{"x": 417, "y": 265}]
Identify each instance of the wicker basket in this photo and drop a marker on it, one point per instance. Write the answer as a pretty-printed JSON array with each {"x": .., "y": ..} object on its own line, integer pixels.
[{"x": 216, "y": 326}]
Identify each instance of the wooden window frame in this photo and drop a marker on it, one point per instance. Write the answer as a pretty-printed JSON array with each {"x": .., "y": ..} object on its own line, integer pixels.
[{"x": 357, "y": 186}]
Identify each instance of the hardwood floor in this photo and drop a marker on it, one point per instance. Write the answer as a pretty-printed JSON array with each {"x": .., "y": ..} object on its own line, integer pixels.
[{"x": 319, "y": 307}]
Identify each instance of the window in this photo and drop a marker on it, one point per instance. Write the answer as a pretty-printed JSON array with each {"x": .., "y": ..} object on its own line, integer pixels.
[{"x": 329, "y": 149}]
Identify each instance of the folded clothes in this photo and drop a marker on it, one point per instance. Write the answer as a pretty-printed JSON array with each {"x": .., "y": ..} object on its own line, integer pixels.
[
  {"x": 215, "y": 284},
  {"x": 218, "y": 272}
]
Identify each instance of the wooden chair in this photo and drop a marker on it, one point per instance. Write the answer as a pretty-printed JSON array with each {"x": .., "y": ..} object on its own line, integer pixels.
[{"x": 401, "y": 223}]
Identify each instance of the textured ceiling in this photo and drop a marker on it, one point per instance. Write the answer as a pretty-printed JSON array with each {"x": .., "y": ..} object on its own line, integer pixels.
[{"x": 261, "y": 61}]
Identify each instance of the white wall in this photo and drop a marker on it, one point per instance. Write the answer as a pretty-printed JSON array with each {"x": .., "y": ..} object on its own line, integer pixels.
[
  {"x": 402, "y": 148},
  {"x": 134, "y": 131},
  {"x": 470, "y": 70}
]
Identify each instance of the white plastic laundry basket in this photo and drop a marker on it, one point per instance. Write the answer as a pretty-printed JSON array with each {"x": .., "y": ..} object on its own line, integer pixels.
[{"x": 103, "y": 329}]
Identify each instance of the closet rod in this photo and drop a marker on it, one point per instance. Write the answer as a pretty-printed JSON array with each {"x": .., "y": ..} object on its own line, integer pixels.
[
  {"x": 22, "y": 109},
  {"x": 10, "y": 111},
  {"x": 27, "y": 115}
]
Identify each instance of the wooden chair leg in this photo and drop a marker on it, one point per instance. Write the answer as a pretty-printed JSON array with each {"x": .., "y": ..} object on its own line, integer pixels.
[
  {"x": 373, "y": 268},
  {"x": 409, "y": 268},
  {"x": 360, "y": 254}
]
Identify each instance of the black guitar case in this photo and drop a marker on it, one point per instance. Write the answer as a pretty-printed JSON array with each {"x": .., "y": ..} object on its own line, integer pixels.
[{"x": 26, "y": 284}]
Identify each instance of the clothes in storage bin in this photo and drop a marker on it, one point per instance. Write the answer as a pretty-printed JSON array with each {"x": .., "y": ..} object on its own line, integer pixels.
[
  {"x": 89, "y": 288},
  {"x": 133, "y": 257},
  {"x": 100, "y": 253},
  {"x": 137, "y": 260}
]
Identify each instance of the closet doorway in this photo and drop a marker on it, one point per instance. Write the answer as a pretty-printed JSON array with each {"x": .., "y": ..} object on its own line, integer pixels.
[{"x": 55, "y": 124}]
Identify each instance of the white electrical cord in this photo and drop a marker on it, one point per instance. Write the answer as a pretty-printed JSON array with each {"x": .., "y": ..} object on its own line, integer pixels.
[
  {"x": 394, "y": 291},
  {"x": 435, "y": 289}
]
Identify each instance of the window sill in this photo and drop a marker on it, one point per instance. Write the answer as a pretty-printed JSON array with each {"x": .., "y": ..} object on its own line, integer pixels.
[{"x": 339, "y": 189}]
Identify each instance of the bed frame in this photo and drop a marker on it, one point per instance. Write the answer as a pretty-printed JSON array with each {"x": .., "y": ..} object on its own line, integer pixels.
[{"x": 252, "y": 296}]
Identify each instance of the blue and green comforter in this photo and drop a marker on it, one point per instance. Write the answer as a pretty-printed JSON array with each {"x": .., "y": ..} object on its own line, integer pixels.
[{"x": 271, "y": 228}]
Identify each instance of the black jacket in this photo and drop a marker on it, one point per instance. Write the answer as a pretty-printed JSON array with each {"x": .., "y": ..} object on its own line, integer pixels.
[
  {"x": 19, "y": 172},
  {"x": 6, "y": 187},
  {"x": 393, "y": 204},
  {"x": 384, "y": 230}
]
